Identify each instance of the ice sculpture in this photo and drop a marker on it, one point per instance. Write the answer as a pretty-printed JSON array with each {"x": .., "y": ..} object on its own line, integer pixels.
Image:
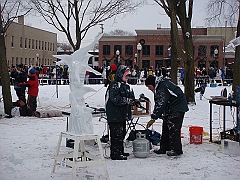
[{"x": 80, "y": 121}]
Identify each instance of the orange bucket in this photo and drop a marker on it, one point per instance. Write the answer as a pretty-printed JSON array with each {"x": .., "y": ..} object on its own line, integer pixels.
[{"x": 196, "y": 134}]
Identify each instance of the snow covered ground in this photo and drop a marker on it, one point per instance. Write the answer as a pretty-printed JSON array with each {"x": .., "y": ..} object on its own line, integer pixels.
[{"x": 28, "y": 144}]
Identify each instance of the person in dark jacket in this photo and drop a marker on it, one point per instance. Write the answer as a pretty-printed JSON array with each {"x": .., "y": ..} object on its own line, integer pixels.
[
  {"x": 119, "y": 99},
  {"x": 170, "y": 105},
  {"x": 32, "y": 85},
  {"x": 20, "y": 76}
]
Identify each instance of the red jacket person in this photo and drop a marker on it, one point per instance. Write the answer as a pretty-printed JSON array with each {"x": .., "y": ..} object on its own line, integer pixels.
[{"x": 32, "y": 85}]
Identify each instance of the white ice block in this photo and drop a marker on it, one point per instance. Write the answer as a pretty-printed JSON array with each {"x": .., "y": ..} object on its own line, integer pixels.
[{"x": 230, "y": 147}]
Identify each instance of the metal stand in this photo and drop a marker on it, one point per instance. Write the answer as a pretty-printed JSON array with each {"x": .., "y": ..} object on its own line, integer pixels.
[{"x": 80, "y": 157}]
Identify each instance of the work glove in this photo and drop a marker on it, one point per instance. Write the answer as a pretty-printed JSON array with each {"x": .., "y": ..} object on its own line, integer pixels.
[
  {"x": 131, "y": 102},
  {"x": 138, "y": 104},
  {"x": 150, "y": 123}
]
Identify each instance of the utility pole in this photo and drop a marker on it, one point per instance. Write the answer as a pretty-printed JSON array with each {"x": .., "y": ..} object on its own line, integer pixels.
[{"x": 102, "y": 27}]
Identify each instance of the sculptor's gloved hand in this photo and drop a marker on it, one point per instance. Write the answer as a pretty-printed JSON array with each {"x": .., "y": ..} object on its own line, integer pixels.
[
  {"x": 138, "y": 104},
  {"x": 150, "y": 123},
  {"x": 131, "y": 102}
]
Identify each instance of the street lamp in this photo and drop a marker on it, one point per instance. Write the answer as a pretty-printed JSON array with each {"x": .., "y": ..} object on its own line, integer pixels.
[
  {"x": 117, "y": 53},
  {"x": 215, "y": 52},
  {"x": 139, "y": 48},
  {"x": 215, "y": 55},
  {"x": 135, "y": 60},
  {"x": 37, "y": 55}
]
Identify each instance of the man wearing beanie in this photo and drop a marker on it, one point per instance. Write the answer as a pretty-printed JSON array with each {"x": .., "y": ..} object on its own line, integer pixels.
[
  {"x": 118, "y": 110},
  {"x": 170, "y": 105},
  {"x": 32, "y": 85}
]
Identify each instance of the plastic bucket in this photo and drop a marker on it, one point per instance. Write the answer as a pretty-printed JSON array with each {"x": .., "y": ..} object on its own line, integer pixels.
[{"x": 196, "y": 134}]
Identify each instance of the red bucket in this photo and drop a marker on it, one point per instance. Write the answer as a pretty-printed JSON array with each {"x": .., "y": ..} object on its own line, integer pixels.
[{"x": 196, "y": 134}]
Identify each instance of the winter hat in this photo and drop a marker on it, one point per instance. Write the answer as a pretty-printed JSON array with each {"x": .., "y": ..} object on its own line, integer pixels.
[
  {"x": 150, "y": 81},
  {"x": 32, "y": 71},
  {"x": 113, "y": 67},
  {"x": 127, "y": 72}
]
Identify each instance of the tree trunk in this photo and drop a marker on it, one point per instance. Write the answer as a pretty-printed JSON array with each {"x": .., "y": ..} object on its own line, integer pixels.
[
  {"x": 5, "y": 79},
  {"x": 174, "y": 40},
  {"x": 185, "y": 23},
  {"x": 236, "y": 70}
]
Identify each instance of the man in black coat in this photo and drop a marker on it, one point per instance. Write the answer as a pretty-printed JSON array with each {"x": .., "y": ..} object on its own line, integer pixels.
[
  {"x": 20, "y": 76},
  {"x": 119, "y": 99},
  {"x": 170, "y": 105}
]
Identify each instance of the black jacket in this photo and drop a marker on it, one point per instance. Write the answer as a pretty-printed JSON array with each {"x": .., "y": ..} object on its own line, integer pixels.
[
  {"x": 168, "y": 98},
  {"x": 20, "y": 77},
  {"x": 117, "y": 98}
]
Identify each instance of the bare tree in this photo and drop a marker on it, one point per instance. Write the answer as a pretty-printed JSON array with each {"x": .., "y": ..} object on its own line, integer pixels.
[
  {"x": 64, "y": 46},
  {"x": 82, "y": 15},
  {"x": 180, "y": 12},
  {"x": 222, "y": 10},
  {"x": 119, "y": 32},
  {"x": 9, "y": 11}
]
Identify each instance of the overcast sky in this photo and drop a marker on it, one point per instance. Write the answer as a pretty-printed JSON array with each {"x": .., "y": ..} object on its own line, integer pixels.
[{"x": 146, "y": 17}]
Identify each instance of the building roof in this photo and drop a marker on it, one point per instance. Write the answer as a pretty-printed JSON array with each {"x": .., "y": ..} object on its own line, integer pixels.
[
  {"x": 118, "y": 38},
  {"x": 207, "y": 38}
]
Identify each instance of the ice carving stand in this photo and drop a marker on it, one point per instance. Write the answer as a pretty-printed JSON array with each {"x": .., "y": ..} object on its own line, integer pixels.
[
  {"x": 80, "y": 157},
  {"x": 80, "y": 121}
]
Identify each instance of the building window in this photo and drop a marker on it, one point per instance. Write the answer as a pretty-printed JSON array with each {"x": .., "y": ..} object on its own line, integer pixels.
[
  {"x": 202, "y": 50},
  {"x": 25, "y": 61},
  {"x": 33, "y": 44},
  {"x": 39, "y": 45},
  {"x": 45, "y": 45},
  {"x": 25, "y": 41},
  {"x": 117, "y": 47},
  {"x": 29, "y": 43},
  {"x": 29, "y": 61},
  {"x": 159, "y": 50},
  {"x": 21, "y": 60},
  {"x": 53, "y": 47},
  {"x": 16, "y": 60},
  {"x": 146, "y": 50},
  {"x": 50, "y": 46},
  {"x": 21, "y": 42},
  {"x": 12, "y": 61},
  {"x": 145, "y": 63},
  {"x": 42, "y": 45},
  {"x": 36, "y": 44},
  {"x": 106, "y": 50},
  {"x": 128, "y": 50},
  {"x": 158, "y": 64},
  {"x": 212, "y": 48},
  {"x": 12, "y": 41}
]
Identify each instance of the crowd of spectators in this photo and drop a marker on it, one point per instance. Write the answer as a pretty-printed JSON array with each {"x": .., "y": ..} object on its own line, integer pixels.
[{"x": 60, "y": 74}]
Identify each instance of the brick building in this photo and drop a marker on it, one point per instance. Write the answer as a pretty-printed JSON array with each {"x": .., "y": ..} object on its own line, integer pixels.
[
  {"x": 28, "y": 45},
  {"x": 155, "y": 52}
]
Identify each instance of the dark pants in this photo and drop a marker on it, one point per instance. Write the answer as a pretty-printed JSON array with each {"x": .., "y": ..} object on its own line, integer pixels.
[
  {"x": 21, "y": 95},
  {"x": 171, "y": 132},
  {"x": 117, "y": 135},
  {"x": 32, "y": 104}
]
